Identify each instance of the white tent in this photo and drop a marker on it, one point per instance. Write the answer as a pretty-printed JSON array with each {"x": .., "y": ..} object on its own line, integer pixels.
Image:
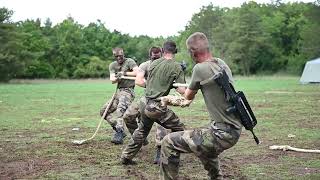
[{"x": 311, "y": 72}]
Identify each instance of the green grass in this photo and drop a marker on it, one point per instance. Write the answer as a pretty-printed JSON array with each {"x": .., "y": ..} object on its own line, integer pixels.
[{"x": 36, "y": 121}]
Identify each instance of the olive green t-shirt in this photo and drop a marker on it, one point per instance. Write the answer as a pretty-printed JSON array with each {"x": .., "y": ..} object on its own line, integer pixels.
[
  {"x": 145, "y": 66},
  {"x": 162, "y": 74},
  {"x": 214, "y": 96},
  {"x": 127, "y": 66}
]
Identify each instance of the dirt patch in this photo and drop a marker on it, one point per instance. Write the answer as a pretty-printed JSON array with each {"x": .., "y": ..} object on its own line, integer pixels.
[
  {"x": 231, "y": 170},
  {"x": 304, "y": 171},
  {"x": 138, "y": 174},
  {"x": 22, "y": 169},
  {"x": 309, "y": 123},
  {"x": 111, "y": 178}
]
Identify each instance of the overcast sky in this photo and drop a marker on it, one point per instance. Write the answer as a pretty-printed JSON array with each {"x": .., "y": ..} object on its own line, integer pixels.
[{"x": 135, "y": 17}]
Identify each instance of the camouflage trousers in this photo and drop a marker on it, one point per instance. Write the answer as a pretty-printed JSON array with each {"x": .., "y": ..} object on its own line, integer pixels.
[
  {"x": 161, "y": 132},
  {"x": 206, "y": 144},
  {"x": 120, "y": 104},
  {"x": 132, "y": 117},
  {"x": 151, "y": 112}
]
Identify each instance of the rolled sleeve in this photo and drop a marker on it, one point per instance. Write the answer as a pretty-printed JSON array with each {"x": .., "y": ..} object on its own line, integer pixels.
[
  {"x": 131, "y": 64},
  {"x": 112, "y": 68},
  {"x": 195, "y": 80}
]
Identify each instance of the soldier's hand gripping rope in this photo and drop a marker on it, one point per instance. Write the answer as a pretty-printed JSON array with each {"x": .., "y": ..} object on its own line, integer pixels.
[{"x": 175, "y": 101}]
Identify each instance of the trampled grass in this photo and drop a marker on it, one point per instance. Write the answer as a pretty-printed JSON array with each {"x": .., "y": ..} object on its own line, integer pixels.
[{"x": 37, "y": 118}]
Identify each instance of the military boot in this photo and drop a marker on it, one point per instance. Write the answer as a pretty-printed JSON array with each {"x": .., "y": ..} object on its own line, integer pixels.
[
  {"x": 157, "y": 156},
  {"x": 118, "y": 136},
  {"x": 126, "y": 161}
]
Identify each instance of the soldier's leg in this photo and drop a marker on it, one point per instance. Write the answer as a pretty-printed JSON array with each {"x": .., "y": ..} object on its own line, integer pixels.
[
  {"x": 139, "y": 135},
  {"x": 130, "y": 117},
  {"x": 206, "y": 144},
  {"x": 125, "y": 99},
  {"x": 211, "y": 164},
  {"x": 169, "y": 120},
  {"x": 161, "y": 132},
  {"x": 172, "y": 145},
  {"x": 112, "y": 109}
]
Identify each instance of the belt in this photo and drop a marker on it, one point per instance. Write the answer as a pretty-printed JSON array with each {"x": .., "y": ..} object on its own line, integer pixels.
[
  {"x": 132, "y": 87},
  {"x": 153, "y": 99}
]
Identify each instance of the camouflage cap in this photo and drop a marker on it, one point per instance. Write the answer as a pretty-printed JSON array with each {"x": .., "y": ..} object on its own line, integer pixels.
[
  {"x": 117, "y": 51},
  {"x": 197, "y": 41}
]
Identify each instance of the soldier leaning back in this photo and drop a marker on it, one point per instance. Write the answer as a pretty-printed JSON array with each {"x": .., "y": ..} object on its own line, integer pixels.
[
  {"x": 133, "y": 113},
  {"x": 162, "y": 73},
  {"x": 125, "y": 93},
  {"x": 223, "y": 131}
]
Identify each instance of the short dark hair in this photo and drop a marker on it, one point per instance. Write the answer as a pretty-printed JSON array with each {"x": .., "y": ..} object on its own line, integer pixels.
[
  {"x": 155, "y": 50},
  {"x": 170, "y": 47}
]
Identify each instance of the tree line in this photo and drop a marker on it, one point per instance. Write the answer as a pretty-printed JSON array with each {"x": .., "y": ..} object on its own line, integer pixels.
[{"x": 253, "y": 39}]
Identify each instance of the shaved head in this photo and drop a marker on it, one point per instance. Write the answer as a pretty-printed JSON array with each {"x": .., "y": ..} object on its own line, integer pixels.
[
  {"x": 118, "y": 54},
  {"x": 117, "y": 51},
  {"x": 198, "y": 42}
]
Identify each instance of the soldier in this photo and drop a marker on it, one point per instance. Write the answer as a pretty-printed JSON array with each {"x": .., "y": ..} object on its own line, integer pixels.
[
  {"x": 132, "y": 114},
  {"x": 133, "y": 111},
  {"x": 223, "y": 131},
  {"x": 125, "y": 93},
  {"x": 162, "y": 73}
]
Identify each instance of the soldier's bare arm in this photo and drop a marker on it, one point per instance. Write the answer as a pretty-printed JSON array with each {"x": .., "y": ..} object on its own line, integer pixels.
[
  {"x": 181, "y": 90},
  {"x": 112, "y": 72},
  {"x": 133, "y": 72},
  {"x": 190, "y": 94},
  {"x": 140, "y": 81}
]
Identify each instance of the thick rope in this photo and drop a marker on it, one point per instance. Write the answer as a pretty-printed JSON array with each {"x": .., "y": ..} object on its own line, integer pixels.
[
  {"x": 287, "y": 148},
  {"x": 79, "y": 142}
]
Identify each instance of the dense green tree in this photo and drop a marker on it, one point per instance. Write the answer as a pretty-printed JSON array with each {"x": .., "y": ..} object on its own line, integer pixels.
[
  {"x": 37, "y": 44},
  {"x": 13, "y": 56},
  {"x": 95, "y": 68},
  {"x": 67, "y": 42},
  {"x": 254, "y": 38},
  {"x": 309, "y": 42}
]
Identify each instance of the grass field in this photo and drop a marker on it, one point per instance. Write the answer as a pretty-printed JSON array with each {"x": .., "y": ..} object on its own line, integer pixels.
[{"x": 37, "y": 118}]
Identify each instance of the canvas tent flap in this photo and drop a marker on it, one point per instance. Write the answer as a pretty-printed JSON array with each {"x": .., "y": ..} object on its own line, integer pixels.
[{"x": 311, "y": 72}]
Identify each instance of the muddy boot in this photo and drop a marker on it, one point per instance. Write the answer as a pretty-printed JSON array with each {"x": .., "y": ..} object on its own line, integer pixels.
[
  {"x": 157, "y": 156},
  {"x": 126, "y": 161},
  {"x": 118, "y": 136}
]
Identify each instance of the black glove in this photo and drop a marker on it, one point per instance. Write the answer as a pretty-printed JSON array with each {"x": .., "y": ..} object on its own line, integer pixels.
[
  {"x": 183, "y": 65},
  {"x": 118, "y": 75}
]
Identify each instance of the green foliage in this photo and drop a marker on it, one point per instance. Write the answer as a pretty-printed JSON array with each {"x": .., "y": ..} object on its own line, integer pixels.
[
  {"x": 13, "y": 56},
  {"x": 253, "y": 39},
  {"x": 38, "y": 69},
  {"x": 260, "y": 38},
  {"x": 95, "y": 68}
]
